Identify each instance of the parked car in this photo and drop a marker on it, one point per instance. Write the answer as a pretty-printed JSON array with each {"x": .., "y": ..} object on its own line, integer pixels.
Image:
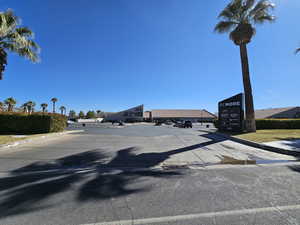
[
  {"x": 158, "y": 123},
  {"x": 168, "y": 122},
  {"x": 184, "y": 124},
  {"x": 188, "y": 124},
  {"x": 179, "y": 124},
  {"x": 119, "y": 122}
]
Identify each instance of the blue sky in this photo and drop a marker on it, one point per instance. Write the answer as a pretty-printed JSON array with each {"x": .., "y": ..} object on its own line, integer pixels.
[{"x": 114, "y": 54}]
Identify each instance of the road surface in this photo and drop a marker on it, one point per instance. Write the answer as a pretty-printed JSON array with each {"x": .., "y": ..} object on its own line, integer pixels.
[{"x": 142, "y": 174}]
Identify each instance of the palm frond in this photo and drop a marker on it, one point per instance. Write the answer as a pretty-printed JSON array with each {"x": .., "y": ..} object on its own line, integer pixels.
[
  {"x": 259, "y": 19},
  {"x": 11, "y": 18},
  {"x": 29, "y": 54},
  {"x": 248, "y": 5},
  {"x": 225, "y": 26},
  {"x": 231, "y": 11},
  {"x": 25, "y": 32},
  {"x": 8, "y": 22},
  {"x": 262, "y": 7},
  {"x": 16, "y": 39},
  {"x": 297, "y": 51},
  {"x": 226, "y": 14}
]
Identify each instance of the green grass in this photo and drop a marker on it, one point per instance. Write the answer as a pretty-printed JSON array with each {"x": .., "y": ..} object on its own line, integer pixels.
[{"x": 270, "y": 135}]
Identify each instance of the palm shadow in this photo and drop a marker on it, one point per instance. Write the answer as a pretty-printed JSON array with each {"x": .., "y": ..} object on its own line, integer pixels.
[
  {"x": 92, "y": 172},
  {"x": 291, "y": 143}
]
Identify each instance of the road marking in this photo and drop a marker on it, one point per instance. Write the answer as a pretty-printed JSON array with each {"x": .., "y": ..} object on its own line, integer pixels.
[{"x": 198, "y": 216}]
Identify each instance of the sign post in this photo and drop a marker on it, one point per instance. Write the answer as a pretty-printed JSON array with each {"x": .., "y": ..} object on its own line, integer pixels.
[{"x": 231, "y": 113}]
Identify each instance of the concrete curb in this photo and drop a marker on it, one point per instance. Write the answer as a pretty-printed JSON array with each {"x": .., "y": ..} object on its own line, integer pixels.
[
  {"x": 255, "y": 144},
  {"x": 46, "y": 136}
]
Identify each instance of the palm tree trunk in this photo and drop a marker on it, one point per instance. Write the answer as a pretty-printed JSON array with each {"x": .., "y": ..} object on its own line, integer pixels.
[
  {"x": 53, "y": 107},
  {"x": 250, "y": 115}
]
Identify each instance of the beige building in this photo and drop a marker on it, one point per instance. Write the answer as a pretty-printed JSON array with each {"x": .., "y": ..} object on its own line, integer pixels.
[
  {"x": 179, "y": 114},
  {"x": 278, "y": 113}
]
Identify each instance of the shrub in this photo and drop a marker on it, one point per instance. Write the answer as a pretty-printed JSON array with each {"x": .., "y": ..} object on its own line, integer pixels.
[
  {"x": 277, "y": 124},
  {"x": 21, "y": 123},
  {"x": 263, "y": 124}
]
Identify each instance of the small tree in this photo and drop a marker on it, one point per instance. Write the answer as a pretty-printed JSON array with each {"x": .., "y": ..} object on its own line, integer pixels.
[
  {"x": 30, "y": 106},
  {"x": 1, "y": 106},
  {"x": 90, "y": 114},
  {"x": 72, "y": 114},
  {"x": 10, "y": 102},
  {"x": 81, "y": 115},
  {"x": 24, "y": 107},
  {"x": 44, "y": 107}
]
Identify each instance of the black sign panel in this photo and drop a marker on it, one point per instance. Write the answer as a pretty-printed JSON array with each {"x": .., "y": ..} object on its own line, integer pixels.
[{"x": 231, "y": 113}]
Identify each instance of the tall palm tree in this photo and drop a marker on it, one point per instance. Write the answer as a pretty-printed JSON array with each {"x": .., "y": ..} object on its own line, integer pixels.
[
  {"x": 239, "y": 18},
  {"x": 54, "y": 100},
  {"x": 15, "y": 38},
  {"x": 62, "y": 110},
  {"x": 10, "y": 102},
  {"x": 30, "y": 106},
  {"x": 44, "y": 106}
]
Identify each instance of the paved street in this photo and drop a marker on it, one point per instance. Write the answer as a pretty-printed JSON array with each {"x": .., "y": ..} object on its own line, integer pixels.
[{"x": 142, "y": 174}]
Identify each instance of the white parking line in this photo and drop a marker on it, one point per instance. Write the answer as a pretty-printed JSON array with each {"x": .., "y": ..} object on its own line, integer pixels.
[{"x": 199, "y": 216}]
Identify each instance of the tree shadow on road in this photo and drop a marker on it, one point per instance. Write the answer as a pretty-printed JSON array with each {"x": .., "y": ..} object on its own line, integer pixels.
[{"x": 91, "y": 175}]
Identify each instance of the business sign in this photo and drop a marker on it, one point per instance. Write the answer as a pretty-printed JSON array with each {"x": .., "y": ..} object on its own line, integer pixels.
[{"x": 231, "y": 113}]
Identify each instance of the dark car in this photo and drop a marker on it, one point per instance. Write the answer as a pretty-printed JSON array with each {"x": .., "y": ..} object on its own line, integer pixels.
[
  {"x": 119, "y": 122},
  {"x": 168, "y": 122},
  {"x": 179, "y": 124},
  {"x": 158, "y": 123},
  {"x": 185, "y": 124},
  {"x": 188, "y": 124}
]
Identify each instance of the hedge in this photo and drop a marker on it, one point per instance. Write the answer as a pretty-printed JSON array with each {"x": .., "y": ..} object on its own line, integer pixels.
[
  {"x": 264, "y": 124},
  {"x": 21, "y": 123},
  {"x": 277, "y": 124}
]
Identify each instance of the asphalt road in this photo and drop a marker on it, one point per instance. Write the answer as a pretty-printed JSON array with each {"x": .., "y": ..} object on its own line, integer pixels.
[{"x": 143, "y": 174}]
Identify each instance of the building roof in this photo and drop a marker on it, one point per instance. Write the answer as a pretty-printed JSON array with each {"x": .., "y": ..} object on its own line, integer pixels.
[
  {"x": 274, "y": 112},
  {"x": 181, "y": 113}
]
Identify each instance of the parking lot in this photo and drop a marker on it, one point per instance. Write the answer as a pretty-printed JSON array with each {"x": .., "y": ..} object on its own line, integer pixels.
[
  {"x": 140, "y": 144},
  {"x": 150, "y": 173}
]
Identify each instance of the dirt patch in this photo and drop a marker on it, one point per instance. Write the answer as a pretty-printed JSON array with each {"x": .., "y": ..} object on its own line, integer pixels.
[{"x": 230, "y": 160}]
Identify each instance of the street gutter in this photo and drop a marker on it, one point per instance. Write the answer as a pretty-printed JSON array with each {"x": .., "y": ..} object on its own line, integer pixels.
[{"x": 255, "y": 144}]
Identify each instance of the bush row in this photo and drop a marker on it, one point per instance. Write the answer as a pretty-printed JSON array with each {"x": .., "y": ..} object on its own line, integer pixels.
[
  {"x": 20, "y": 123},
  {"x": 277, "y": 124},
  {"x": 262, "y": 124}
]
